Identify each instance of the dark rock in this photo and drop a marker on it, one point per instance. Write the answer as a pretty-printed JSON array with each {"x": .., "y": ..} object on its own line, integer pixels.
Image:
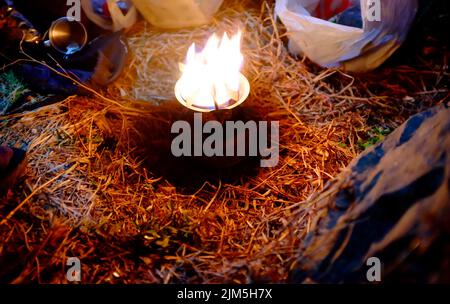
[
  {"x": 12, "y": 166},
  {"x": 393, "y": 203}
]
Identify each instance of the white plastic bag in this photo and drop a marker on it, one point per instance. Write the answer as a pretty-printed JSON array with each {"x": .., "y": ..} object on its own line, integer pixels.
[
  {"x": 118, "y": 20},
  {"x": 177, "y": 13},
  {"x": 334, "y": 45}
]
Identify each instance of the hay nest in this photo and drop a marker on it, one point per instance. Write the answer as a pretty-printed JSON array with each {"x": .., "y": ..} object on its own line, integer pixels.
[{"x": 87, "y": 194}]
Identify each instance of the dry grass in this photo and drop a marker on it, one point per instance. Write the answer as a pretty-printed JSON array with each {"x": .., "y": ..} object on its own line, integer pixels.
[{"x": 87, "y": 194}]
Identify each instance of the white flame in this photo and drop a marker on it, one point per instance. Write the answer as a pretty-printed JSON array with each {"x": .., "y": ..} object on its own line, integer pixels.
[{"x": 211, "y": 78}]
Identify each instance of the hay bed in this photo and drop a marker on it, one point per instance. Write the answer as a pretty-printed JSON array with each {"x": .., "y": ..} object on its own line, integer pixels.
[{"x": 86, "y": 195}]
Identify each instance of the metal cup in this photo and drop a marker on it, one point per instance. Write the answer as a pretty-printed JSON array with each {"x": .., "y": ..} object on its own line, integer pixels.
[{"x": 67, "y": 36}]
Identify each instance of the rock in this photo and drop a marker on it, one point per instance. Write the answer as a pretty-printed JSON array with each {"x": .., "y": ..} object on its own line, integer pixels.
[
  {"x": 12, "y": 166},
  {"x": 392, "y": 203}
]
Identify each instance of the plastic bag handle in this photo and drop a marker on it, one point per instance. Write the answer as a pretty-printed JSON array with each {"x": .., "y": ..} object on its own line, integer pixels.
[{"x": 120, "y": 20}]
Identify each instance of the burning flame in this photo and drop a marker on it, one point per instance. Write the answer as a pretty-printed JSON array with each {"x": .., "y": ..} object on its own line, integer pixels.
[{"x": 211, "y": 78}]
